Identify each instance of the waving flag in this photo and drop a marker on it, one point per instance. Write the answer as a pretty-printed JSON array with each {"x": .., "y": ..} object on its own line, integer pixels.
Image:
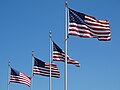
[
  {"x": 59, "y": 55},
  {"x": 43, "y": 68},
  {"x": 86, "y": 26},
  {"x": 18, "y": 77}
]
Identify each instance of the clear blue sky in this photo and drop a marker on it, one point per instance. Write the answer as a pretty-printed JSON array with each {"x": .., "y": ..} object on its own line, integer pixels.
[{"x": 25, "y": 26}]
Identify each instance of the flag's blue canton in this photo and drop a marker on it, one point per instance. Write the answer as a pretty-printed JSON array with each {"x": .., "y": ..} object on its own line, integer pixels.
[
  {"x": 39, "y": 63},
  {"x": 14, "y": 72},
  {"x": 76, "y": 17},
  {"x": 57, "y": 48}
]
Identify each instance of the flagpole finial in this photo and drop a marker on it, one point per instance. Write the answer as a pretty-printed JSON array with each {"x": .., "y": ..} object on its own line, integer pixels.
[
  {"x": 9, "y": 62},
  {"x": 66, "y": 2},
  {"x": 50, "y": 34},
  {"x": 33, "y": 52}
]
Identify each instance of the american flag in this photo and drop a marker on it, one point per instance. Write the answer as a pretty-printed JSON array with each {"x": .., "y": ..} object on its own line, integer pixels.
[
  {"x": 86, "y": 26},
  {"x": 19, "y": 77},
  {"x": 59, "y": 55},
  {"x": 43, "y": 68}
]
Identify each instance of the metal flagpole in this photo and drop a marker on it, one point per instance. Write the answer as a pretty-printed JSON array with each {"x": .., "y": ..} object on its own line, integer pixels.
[
  {"x": 51, "y": 46},
  {"x": 32, "y": 70},
  {"x": 66, "y": 32},
  {"x": 8, "y": 75}
]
